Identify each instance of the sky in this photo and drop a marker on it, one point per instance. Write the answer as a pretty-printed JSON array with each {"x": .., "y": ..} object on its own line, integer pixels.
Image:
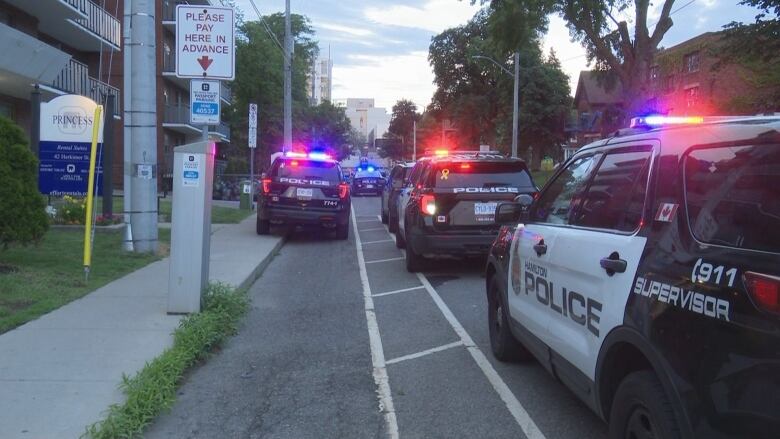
[{"x": 380, "y": 47}]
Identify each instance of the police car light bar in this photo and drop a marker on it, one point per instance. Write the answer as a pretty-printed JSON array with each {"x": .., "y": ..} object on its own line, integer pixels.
[
  {"x": 319, "y": 156},
  {"x": 299, "y": 155},
  {"x": 657, "y": 121}
]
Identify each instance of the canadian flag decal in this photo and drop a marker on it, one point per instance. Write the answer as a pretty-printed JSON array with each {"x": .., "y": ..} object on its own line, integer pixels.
[{"x": 666, "y": 212}]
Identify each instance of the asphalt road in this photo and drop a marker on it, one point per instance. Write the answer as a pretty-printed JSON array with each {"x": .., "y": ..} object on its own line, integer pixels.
[{"x": 343, "y": 342}]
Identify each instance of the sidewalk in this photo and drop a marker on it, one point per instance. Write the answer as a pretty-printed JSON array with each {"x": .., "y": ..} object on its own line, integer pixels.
[{"x": 60, "y": 373}]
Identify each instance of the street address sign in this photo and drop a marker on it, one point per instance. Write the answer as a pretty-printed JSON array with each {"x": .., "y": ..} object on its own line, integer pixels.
[
  {"x": 204, "y": 99},
  {"x": 205, "y": 42}
]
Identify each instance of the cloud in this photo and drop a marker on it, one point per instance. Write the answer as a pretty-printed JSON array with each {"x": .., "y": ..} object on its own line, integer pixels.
[
  {"x": 385, "y": 78},
  {"x": 434, "y": 15},
  {"x": 356, "y": 31}
]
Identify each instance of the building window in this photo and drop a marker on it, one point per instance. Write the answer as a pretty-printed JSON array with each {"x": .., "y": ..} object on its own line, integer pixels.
[
  {"x": 692, "y": 62},
  {"x": 7, "y": 110},
  {"x": 691, "y": 97},
  {"x": 669, "y": 84}
]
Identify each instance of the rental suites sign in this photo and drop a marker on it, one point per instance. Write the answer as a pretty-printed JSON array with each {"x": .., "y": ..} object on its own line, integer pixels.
[{"x": 205, "y": 42}]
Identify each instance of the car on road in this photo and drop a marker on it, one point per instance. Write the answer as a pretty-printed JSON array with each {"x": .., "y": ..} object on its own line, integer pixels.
[
  {"x": 449, "y": 206},
  {"x": 393, "y": 187},
  {"x": 646, "y": 277},
  {"x": 367, "y": 180},
  {"x": 303, "y": 189}
]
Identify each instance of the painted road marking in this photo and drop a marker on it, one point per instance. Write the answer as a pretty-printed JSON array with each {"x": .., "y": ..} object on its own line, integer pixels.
[
  {"x": 399, "y": 291},
  {"x": 515, "y": 408},
  {"x": 425, "y": 352},
  {"x": 385, "y": 260},
  {"x": 373, "y": 230},
  {"x": 377, "y": 242},
  {"x": 375, "y": 341},
  {"x": 366, "y": 221}
]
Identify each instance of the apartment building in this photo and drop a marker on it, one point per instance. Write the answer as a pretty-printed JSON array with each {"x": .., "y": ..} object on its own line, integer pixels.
[{"x": 320, "y": 81}]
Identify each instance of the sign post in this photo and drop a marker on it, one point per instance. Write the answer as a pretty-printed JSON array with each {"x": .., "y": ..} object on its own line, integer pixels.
[{"x": 252, "y": 137}]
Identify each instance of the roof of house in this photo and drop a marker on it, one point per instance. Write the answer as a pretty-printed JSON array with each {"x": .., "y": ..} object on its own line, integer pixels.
[{"x": 588, "y": 88}]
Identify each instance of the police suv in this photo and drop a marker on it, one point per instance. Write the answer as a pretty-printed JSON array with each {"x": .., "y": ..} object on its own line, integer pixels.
[
  {"x": 304, "y": 190},
  {"x": 449, "y": 205},
  {"x": 646, "y": 277}
]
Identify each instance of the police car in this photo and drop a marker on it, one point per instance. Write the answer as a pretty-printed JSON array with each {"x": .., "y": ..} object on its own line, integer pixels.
[
  {"x": 646, "y": 277},
  {"x": 448, "y": 208},
  {"x": 395, "y": 183},
  {"x": 368, "y": 180},
  {"x": 303, "y": 189}
]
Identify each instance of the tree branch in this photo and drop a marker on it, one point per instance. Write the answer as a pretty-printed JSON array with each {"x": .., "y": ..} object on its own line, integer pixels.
[{"x": 664, "y": 24}]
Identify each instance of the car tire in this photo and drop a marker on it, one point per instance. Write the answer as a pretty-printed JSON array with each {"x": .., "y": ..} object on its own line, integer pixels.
[
  {"x": 342, "y": 232},
  {"x": 263, "y": 227},
  {"x": 641, "y": 408},
  {"x": 503, "y": 344},
  {"x": 384, "y": 218},
  {"x": 392, "y": 225},
  {"x": 414, "y": 262},
  {"x": 400, "y": 242}
]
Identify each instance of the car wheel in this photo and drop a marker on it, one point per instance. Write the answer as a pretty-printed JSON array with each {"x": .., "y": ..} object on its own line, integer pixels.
[
  {"x": 400, "y": 242},
  {"x": 641, "y": 409},
  {"x": 263, "y": 227},
  {"x": 392, "y": 224},
  {"x": 342, "y": 232},
  {"x": 384, "y": 218},
  {"x": 414, "y": 262},
  {"x": 504, "y": 345}
]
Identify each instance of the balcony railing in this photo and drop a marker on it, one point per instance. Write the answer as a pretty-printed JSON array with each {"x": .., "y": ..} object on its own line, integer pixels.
[
  {"x": 169, "y": 62},
  {"x": 222, "y": 129},
  {"x": 225, "y": 92},
  {"x": 98, "y": 21},
  {"x": 75, "y": 79},
  {"x": 179, "y": 114}
]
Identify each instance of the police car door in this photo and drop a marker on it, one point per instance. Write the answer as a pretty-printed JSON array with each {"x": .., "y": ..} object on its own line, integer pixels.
[
  {"x": 406, "y": 193},
  {"x": 595, "y": 259},
  {"x": 533, "y": 279}
]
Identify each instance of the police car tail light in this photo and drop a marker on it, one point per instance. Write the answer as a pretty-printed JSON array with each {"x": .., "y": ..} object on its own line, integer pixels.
[
  {"x": 343, "y": 190},
  {"x": 266, "y": 185},
  {"x": 764, "y": 289},
  {"x": 294, "y": 163},
  {"x": 465, "y": 166},
  {"x": 428, "y": 204}
]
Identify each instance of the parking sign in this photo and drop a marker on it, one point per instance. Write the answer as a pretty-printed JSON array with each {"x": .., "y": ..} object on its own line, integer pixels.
[{"x": 204, "y": 96}]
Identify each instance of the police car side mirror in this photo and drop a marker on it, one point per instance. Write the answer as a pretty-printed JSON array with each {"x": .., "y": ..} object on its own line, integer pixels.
[
  {"x": 509, "y": 213},
  {"x": 525, "y": 201}
]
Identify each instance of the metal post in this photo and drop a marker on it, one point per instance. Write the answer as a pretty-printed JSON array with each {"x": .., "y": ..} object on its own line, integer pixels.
[
  {"x": 414, "y": 142},
  {"x": 205, "y": 133},
  {"x": 108, "y": 157},
  {"x": 35, "y": 122},
  {"x": 287, "y": 146},
  {"x": 144, "y": 111},
  {"x": 516, "y": 105},
  {"x": 127, "y": 121},
  {"x": 252, "y": 178}
]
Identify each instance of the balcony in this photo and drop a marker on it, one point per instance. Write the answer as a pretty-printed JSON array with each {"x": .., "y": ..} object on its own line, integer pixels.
[
  {"x": 81, "y": 24},
  {"x": 27, "y": 60},
  {"x": 225, "y": 93},
  {"x": 220, "y": 133},
  {"x": 75, "y": 79}
]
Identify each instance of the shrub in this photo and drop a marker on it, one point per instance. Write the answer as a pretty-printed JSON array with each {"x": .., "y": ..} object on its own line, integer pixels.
[{"x": 23, "y": 216}]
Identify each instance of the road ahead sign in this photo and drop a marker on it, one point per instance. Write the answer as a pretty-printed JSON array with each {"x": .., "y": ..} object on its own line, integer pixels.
[
  {"x": 204, "y": 96},
  {"x": 205, "y": 40}
]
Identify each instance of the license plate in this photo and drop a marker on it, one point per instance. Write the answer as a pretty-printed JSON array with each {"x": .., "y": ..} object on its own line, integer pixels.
[
  {"x": 370, "y": 186},
  {"x": 483, "y": 209},
  {"x": 304, "y": 192}
]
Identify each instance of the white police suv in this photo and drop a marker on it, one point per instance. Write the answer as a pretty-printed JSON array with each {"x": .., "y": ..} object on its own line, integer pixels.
[{"x": 645, "y": 276}]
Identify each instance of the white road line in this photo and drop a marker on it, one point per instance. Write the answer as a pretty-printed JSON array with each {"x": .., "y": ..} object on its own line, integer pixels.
[
  {"x": 379, "y": 217},
  {"x": 398, "y": 291},
  {"x": 377, "y": 242},
  {"x": 366, "y": 221},
  {"x": 515, "y": 408},
  {"x": 424, "y": 353},
  {"x": 372, "y": 229},
  {"x": 375, "y": 340},
  {"x": 385, "y": 260}
]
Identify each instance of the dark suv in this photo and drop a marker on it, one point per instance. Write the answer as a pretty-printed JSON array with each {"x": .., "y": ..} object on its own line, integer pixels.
[
  {"x": 646, "y": 277},
  {"x": 395, "y": 183},
  {"x": 304, "y": 190},
  {"x": 368, "y": 180},
  {"x": 450, "y": 205}
]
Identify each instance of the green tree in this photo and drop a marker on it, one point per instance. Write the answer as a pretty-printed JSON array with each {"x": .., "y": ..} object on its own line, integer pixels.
[
  {"x": 401, "y": 130},
  {"x": 260, "y": 80},
  {"x": 756, "y": 46},
  {"x": 329, "y": 129},
  {"x": 22, "y": 209}
]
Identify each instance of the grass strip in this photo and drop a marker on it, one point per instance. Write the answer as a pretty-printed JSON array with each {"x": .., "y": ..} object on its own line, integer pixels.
[{"x": 153, "y": 388}]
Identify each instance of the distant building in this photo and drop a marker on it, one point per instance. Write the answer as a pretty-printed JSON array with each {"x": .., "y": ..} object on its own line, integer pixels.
[
  {"x": 370, "y": 121},
  {"x": 320, "y": 81},
  {"x": 598, "y": 110}
]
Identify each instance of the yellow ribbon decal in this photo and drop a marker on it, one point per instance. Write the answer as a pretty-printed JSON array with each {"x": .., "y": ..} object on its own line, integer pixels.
[{"x": 445, "y": 174}]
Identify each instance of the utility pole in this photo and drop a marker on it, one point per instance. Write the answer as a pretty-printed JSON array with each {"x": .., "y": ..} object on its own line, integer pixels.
[
  {"x": 127, "y": 120},
  {"x": 414, "y": 141},
  {"x": 143, "y": 216},
  {"x": 287, "y": 146},
  {"x": 516, "y": 105}
]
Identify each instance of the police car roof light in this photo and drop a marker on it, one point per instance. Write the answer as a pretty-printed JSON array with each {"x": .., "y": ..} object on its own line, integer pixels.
[
  {"x": 370, "y": 169},
  {"x": 441, "y": 152},
  {"x": 658, "y": 121},
  {"x": 295, "y": 154},
  {"x": 319, "y": 156}
]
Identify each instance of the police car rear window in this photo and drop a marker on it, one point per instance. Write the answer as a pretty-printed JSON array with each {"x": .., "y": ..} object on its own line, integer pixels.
[
  {"x": 306, "y": 169},
  {"x": 367, "y": 174},
  {"x": 482, "y": 175},
  {"x": 733, "y": 196}
]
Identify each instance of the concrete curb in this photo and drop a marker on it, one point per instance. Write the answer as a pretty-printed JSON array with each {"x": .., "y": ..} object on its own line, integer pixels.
[{"x": 258, "y": 271}]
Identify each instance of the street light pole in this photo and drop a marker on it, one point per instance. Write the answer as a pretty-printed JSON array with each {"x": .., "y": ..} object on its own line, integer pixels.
[
  {"x": 516, "y": 103},
  {"x": 288, "y": 49}
]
